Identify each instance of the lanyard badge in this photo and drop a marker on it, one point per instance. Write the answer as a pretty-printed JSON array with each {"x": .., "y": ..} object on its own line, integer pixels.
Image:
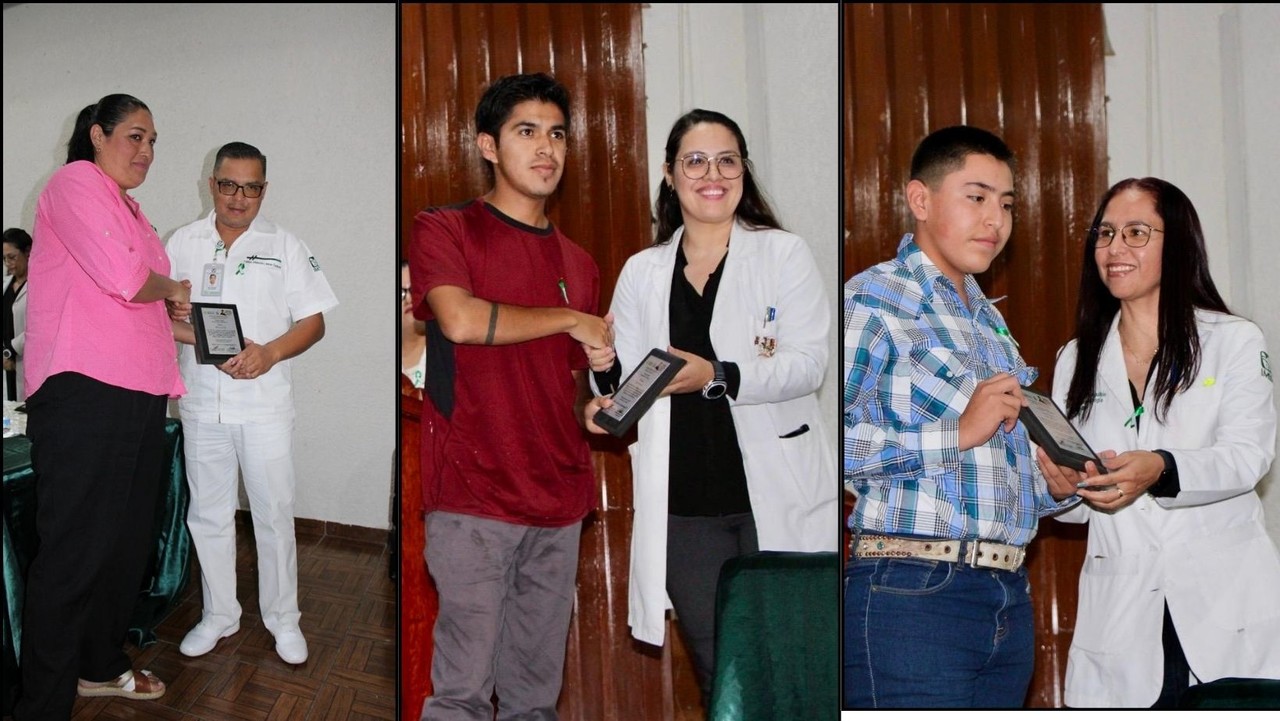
[
  {"x": 211, "y": 280},
  {"x": 766, "y": 341}
]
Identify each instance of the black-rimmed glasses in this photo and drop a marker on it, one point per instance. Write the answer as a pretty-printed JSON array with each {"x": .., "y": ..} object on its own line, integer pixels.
[
  {"x": 251, "y": 190},
  {"x": 695, "y": 166},
  {"x": 1135, "y": 235}
]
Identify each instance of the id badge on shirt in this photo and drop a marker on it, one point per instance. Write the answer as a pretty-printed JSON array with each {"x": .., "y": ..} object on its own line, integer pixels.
[{"x": 211, "y": 283}]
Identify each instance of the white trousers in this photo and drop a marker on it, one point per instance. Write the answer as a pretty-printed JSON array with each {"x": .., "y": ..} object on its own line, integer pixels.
[{"x": 263, "y": 452}]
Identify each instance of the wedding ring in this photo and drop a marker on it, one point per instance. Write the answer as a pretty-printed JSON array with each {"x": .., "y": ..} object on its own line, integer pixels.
[{"x": 1121, "y": 490}]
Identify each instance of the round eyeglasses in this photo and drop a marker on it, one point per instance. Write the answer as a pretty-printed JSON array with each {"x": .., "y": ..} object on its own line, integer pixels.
[
  {"x": 251, "y": 190},
  {"x": 1135, "y": 235},
  {"x": 695, "y": 166}
]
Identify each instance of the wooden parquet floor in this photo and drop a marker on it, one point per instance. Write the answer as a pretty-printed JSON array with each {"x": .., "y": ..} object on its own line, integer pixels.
[{"x": 348, "y": 608}]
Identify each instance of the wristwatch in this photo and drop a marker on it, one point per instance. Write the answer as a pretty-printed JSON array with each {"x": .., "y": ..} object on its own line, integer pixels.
[
  {"x": 716, "y": 387},
  {"x": 8, "y": 354}
]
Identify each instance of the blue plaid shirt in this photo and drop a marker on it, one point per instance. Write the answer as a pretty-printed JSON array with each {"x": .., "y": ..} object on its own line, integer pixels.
[{"x": 913, "y": 356}]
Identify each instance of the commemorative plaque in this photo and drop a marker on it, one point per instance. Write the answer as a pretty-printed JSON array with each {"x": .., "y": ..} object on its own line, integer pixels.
[
  {"x": 638, "y": 392},
  {"x": 1052, "y": 430},
  {"x": 218, "y": 334}
]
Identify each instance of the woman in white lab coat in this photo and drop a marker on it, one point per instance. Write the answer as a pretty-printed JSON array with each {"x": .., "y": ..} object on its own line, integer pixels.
[
  {"x": 1180, "y": 579},
  {"x": 736, "y": 457}
]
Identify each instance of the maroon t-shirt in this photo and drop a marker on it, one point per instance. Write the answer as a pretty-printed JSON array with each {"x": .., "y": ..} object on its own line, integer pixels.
[{"x": 500, "y": 439}]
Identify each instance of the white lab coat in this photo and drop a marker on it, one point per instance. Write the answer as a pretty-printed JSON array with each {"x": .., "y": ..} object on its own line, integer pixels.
[
  {"x": 1205, "y": 552},
  {"x": 791, "y": 482}
]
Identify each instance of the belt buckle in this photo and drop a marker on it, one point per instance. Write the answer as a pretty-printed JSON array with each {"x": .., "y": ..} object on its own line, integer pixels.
[{"x": 993, "y": 559}]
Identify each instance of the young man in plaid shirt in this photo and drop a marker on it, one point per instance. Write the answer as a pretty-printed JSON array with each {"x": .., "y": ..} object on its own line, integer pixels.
[{"x": 937, "y": 604}]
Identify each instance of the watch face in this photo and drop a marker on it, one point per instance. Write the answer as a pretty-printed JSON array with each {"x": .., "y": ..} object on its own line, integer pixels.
[{"x": 714, "y": 390}]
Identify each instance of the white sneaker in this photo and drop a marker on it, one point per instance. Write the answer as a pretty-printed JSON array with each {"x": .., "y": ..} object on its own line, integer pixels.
[
  {"x": 291, "y": 647},
  {"x": 206, "y": 634}
]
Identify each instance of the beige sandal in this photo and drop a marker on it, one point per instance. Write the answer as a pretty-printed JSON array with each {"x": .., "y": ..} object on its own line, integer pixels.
[{"x": 142, "y": 686}]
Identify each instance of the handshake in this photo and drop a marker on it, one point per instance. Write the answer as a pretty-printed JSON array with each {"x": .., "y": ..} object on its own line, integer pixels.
[{"x": 597, "y": 342}]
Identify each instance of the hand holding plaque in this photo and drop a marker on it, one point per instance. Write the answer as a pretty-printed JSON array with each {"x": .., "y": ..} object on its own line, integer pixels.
[
  {"x": 218, "y": 334},
  {"x": 638, "y": 392}
]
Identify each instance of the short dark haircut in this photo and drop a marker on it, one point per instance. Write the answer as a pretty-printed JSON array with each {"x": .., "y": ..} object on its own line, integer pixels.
[
  {"x": 753, "y": 209},
  {"x": 1185, "y": 285},
  {"x": 107, "y": 113},
  {"x": 505, "y": 93},
  {"x": 943, "y": 152},
  {"x": 18, "y": 238},
  {"x": 239, "y": 151}
]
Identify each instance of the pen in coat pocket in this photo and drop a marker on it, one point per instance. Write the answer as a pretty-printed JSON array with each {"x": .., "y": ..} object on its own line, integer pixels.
[{"x": 797, "y": 432}]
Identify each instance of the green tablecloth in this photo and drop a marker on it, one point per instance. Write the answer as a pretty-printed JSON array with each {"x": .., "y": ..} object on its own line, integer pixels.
[
  {"x": 1233, "y": 693},
  {"x": 166, "y": 576},
  {"x": 777, "y": 638}
]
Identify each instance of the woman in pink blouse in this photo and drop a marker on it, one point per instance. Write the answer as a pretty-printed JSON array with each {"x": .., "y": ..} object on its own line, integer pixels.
[{"x": 100, "y": 367}]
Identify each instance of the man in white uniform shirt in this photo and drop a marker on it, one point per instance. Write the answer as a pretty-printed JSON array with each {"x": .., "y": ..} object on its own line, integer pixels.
[{"x": 238, "y": 416}]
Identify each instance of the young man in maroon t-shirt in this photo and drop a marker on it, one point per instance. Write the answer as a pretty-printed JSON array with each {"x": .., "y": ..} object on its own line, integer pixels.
[{"x": 509, "y": 302}]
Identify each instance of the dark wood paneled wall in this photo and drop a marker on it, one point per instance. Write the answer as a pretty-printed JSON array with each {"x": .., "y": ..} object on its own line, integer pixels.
[
  {"x": 1032, "y": 73},
  {"x": 418, "y": 603},
  {"x": 449, "y": 55}
]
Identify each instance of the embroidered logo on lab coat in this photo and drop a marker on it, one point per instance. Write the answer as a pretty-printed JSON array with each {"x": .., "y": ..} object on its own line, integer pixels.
[
  {"x": 1266, "y": 366},
  {"x": 314, "y": 265}
]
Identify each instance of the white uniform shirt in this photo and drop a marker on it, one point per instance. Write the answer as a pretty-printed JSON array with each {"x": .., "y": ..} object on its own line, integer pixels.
[{"x": 273, "y": 280}]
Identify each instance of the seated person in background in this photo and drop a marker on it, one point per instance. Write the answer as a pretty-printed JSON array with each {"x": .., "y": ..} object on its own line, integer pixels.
[{"x": 413, "y": 334}]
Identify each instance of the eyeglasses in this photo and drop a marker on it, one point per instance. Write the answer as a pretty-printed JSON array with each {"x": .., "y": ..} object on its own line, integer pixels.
[
  {"x": 404, "y": 294},
  {"x": 1135, "y": 235},
  {"x": 695, "y": 166},
  {"x": 251, "y": 190}
]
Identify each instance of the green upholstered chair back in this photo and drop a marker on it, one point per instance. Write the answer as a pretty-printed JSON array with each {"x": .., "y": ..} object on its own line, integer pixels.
[{"x": 777, "y": 638}]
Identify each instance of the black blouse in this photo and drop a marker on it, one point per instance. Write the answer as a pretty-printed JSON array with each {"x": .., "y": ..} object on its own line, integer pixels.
[{"x": 706, "y": 472}]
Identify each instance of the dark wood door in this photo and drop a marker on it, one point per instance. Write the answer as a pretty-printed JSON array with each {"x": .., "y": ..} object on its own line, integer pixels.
[
  {"x": 1033, "y": 73},
  {"x": 449, "y": 54}
]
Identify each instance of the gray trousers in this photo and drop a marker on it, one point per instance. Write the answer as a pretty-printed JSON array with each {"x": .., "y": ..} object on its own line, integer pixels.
[{"x": 506, "y": 599}]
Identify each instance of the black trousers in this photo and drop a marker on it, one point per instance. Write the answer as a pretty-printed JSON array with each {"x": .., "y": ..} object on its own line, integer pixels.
[
  {"x": 98, "y": 454},
  {"x": 697, "y": 547},
  {"x": 1177, "y": 672}
]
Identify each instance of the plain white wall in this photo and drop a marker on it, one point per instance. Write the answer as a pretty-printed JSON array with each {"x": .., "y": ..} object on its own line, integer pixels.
[
  {"x": 1193, "y": 99},
  {"x": 314, "y": 87},
  {"x": 774, "y": 69}
]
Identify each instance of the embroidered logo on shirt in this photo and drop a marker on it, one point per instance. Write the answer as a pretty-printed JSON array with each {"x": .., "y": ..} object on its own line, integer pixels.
[
  {"x": 1266, "y": 366},
  {"x": 263, "y": 260},
  {"x": 314, "y": 265}
]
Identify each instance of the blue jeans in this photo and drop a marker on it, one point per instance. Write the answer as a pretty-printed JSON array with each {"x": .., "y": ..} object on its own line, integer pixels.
[{"x": 932, "y": 634}]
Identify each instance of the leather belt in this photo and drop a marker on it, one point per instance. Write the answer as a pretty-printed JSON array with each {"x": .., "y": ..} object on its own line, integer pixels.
[{"x": 971, "y": 552}]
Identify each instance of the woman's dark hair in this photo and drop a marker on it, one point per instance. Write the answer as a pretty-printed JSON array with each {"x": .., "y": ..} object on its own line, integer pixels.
[
  {"x": 18, "y": 238},
  {"x": 107, "y": 113},
  {"x": 753, "y": 209},
  {"x": 1185, "y": 285}
]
